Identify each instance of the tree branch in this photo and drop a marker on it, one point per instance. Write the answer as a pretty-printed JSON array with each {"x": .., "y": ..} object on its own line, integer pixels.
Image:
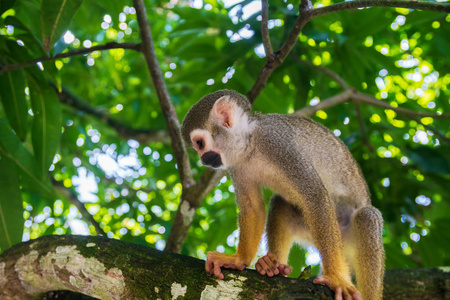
[
  {"x": 173, "y": 125},
  {"x": 357, "y": 96},
  {"x": 307, "y": 13},
  {"x": 271, "y": 65},
  {"x": 308, "y": 111},
  {"x": 362, "y": 127},
  {"x": 265, "y": 30},
  {"x": 107, "y": 46},
  {"x": 338, "y": 79},
  {"x": 185, "y": 214},
  {"x": 112, "y": 269},
  {"x": 411, "y": 4},
  {"x": 434, "y": 130},
  {"x": 142, "y": 135}
]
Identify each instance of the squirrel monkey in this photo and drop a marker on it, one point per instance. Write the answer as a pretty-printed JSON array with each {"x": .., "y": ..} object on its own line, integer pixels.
[{"x": 322, "y": 198}]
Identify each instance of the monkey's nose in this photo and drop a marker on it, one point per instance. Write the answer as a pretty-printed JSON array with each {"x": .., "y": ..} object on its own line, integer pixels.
[{"x": 212, "y": 159}]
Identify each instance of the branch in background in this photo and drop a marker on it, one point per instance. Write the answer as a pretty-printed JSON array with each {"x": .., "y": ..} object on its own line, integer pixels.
[
  {"x": 411, "y": 4},
  {"x": 414, "y": 115},
  {"x": 72, "y": 197},
  {"x": 307, "y": 12},
  {"x": 265, "y": 30},
  {"x": 189, "y": 202},
  {"x": 363, "y": 127},
  {"x": 172, "y": 123},
  {"x": 428, "y": 127},
  {"x": 338, "y": 79},
  {"x": 107, "y": 46},
  {"x": 308, "y": 111},
  {"x": 140, "y": 134},
  {"x": 357, "y": 96},
  {"x": 272, "y": 64}
]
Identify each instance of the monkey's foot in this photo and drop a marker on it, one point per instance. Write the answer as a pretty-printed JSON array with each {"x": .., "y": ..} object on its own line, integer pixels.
[
  {"x": 215, "y": 260},
  {"x": 270, "y": 266},
  {"x": 343, "y": 289}
]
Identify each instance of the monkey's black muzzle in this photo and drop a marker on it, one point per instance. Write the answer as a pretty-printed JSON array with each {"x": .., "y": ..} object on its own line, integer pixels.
[{"x": 212, "y": 159}]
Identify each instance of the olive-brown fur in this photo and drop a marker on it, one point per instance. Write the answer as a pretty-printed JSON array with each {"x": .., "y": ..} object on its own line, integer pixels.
[
  {"x": 321, "y": 196},
  {"x": 199, "y": 113}
]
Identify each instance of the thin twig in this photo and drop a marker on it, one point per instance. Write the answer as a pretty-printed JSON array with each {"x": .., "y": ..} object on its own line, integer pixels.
[
  {"x": 280, "y": 56},
  {"x": 411, "y": 4},
  {"x": 338, "y": 79},
  {"x": 357, "y": 96},
  {"x": 142, "y": 135},
  {"x": 172, "y": 123},
  {"x": 430, "y": 128},
  {"x": 265, "y": 30},
  {"x": 362, "y": 127},
  {"x": 308, "y": 111},
  {"x": 107, "y": 46},
  {"x": 186, "y": 210}
]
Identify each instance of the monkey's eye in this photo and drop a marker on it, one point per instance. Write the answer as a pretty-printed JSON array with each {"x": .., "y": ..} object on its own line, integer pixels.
[{"x": 200, "y": 144}]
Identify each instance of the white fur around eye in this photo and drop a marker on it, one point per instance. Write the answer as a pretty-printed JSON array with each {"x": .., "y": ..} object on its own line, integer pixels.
[{"x": 203, "y": 134}]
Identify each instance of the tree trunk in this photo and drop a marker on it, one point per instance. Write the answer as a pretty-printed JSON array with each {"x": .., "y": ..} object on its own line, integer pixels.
[{"x": 112, "y": 269}]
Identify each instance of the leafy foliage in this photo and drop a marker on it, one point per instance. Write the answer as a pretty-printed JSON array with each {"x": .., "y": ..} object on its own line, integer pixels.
[{"x": 129, "y": 181}]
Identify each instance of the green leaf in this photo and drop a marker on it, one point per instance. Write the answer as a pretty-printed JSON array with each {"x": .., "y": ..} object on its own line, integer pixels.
[
  {"x": 12, "y": 93},
  {"x": 56, "y": 16},
  {"x": 12, "y": 148},
  {"x": 11, "y": 211},
  {"x": 430, "y": 160},
  {"x": 46, "y": 129},
  {"x": 27, "y": 11},
  {"x": 5, "y": 5}
]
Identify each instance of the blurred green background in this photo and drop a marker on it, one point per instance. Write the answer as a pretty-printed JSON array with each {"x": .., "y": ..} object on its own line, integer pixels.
[{"x": 54, "y": 155}]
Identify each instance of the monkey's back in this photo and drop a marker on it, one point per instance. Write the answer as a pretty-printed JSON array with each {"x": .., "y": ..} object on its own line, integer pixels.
[{"x": 313, "y": 143}]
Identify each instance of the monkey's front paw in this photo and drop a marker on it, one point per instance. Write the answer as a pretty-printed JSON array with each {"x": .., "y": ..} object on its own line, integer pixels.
[
  {"x": 270, "y": 266},
  {"x": 343, "y": 289},
  {"x": 215, "y": 260}
]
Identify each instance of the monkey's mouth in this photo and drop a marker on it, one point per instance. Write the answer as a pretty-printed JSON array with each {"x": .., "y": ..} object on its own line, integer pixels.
[{"x": 212, "y": 159}]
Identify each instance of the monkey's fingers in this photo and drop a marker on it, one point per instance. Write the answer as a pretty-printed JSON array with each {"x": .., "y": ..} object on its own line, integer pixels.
[
  {"x": 272, "y": 258},
  {"x": 218, "y": 271},
  {"x": 266, "y": 270},
  {"x": 351, "y": 295},
  {"x": 323, "y": 280},
  {"x": 338, "y": 293},
  {"x": 284, "y": 269},
  {"x": 349, "y": 292},
  {"x": 271, "y": 262},
  {"x": 260, "y": 269}
]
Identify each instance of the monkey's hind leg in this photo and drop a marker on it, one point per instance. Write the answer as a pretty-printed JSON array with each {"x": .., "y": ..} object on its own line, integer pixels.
[
  {"x": 368, "y": 262},
  {"x": 280, "y": 237}
]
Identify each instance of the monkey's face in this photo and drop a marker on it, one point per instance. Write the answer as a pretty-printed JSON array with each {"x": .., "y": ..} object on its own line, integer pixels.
[
  {"x": 221, "y": 139},
  {"x": 203, "y": 142}
]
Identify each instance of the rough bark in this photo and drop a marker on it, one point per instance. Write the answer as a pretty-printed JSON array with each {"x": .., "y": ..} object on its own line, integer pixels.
[{"x": 111, "y": 269}]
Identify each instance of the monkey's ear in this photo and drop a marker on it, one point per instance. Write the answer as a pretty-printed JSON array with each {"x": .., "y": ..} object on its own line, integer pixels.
[{"x": 224, "y": 110}]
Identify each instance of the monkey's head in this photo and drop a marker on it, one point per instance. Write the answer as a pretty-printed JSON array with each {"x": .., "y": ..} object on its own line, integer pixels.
[{"x": 217, "y": 127}]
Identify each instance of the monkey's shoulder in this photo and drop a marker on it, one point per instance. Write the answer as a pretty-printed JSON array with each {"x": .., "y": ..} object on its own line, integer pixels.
[{"x": 290, "y": 125}]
